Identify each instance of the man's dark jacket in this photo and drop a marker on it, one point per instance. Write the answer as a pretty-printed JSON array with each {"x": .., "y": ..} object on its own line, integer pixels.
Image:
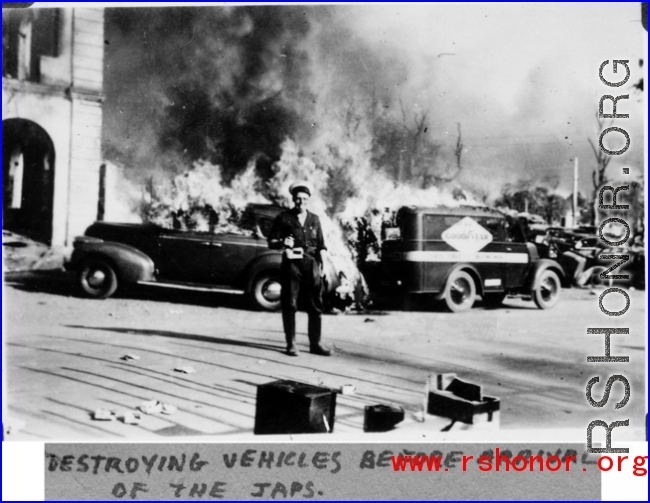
[{"x": 309, "y": 237}]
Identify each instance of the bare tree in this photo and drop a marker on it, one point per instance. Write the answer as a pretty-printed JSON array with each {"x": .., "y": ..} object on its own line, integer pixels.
[
  {"x": 602, "y": 159},
  {"x": 598, "y": 176}
]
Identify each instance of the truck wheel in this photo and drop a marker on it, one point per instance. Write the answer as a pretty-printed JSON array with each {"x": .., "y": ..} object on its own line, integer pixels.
[
  {"x": 460, "y": 292},
  {"x": 547, "y": 289},
  {"x": 494, "y": 299},
  {"x": 265, "y": 291},
  {"x": 97, "y": 279}
]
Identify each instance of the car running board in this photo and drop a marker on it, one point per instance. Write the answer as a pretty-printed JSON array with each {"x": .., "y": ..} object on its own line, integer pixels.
[{"x": 193, "y": 287}]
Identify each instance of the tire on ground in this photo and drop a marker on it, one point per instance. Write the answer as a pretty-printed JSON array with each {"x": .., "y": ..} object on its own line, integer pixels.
[
  {"x": 265, "y": 291},
  {"x": 547, "y": 289},
  {"x": 460, "y": 292},
  {"x": 97, "y": 279}
]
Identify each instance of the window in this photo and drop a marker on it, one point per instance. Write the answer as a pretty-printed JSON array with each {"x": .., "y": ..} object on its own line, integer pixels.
[
  {"x": 27, "y": 35},
  {"x": 265, "y": 226},
  {"x": 10, "y": 37},
  {"x": 45, "y": 39},
  {"x": 496, "y": 226}
]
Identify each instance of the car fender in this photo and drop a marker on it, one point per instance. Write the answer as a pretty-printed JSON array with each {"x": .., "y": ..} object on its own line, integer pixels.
[
  {"x": 539, "y": 267},
  {"x": 131, "y": 265},
  {"x": 465, "y": 267},
  {"x": 271, "y": 259}
]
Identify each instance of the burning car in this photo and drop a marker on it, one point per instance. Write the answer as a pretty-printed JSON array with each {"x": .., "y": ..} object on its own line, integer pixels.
[
  {"x": 111, "y": 255},
  {"x": 453, "y": 254}
]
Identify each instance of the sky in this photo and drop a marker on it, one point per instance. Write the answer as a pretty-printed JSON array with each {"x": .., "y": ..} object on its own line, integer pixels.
[{"x": 516, "y": 74}]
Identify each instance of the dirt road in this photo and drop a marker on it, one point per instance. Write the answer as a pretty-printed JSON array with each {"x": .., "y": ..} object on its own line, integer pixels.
[{"x": 63, "y": 361}]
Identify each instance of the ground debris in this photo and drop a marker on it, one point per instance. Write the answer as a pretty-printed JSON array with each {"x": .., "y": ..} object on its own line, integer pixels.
[
  {"x": 168, "y": 409},
  {"x": 185, "y": 370},
  {"x": 130, "y": 356},
  {"x": 104, "y": 415},
  {"x": 157, "y": 407},
  {"x": 368, "y": 320},
  {"x": 348, "y": 389},
  {"x": 12, "y": 425},
  {"x": 131, "y": 417},
  {"x": 150, "y": 407}
]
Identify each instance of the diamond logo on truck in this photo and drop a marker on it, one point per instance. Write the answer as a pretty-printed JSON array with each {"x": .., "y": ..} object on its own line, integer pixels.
[{"x": 467, "y": 236}]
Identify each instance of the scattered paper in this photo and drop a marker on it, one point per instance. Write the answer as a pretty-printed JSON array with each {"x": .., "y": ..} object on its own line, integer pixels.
[
  {"x": 131, "y": 417},
  {"x": 157, "y": 407},
  {"x": 261, "y": 361},
  {"x": 419, "y": 416},
  {"x": 185, "y": 370},
  {"x": 104, "y": 415},
  {"x": 168, "y": 409},
  {"x": 151, "y": 407}
]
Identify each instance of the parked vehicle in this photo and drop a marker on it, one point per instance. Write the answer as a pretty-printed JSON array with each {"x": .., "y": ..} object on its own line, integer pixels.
[
  {"x": 455, "y": 254},
  {"x": 112, "y": 255},
  {"x": 579, "y": 253}
]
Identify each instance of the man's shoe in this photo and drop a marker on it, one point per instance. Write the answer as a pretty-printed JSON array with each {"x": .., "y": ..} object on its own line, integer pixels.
[
  {"x": 320, "y": 350},
  {"x": 292, "y": 351}
]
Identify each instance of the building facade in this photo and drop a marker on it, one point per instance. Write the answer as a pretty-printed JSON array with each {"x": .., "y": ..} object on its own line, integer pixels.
[{"x": 52, "y": 77}]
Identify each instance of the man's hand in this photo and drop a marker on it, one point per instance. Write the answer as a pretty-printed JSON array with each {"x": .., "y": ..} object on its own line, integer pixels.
[{"x": 288, "y": 242}]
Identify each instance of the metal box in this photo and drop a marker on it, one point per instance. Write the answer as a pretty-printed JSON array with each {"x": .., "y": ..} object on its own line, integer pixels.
[{"x": 289, "y": 407}]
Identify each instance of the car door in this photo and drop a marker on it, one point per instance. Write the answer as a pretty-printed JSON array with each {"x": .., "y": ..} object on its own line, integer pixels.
[
  {"x": 185, "y": 257},
  {"x": 491, "y": 260},
  {"x": 516, "y": 256},
  {"x": 231, "y": 254}
]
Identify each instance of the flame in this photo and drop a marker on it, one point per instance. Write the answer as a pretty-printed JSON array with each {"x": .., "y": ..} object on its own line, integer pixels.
[{"x": 353, "y": 200}]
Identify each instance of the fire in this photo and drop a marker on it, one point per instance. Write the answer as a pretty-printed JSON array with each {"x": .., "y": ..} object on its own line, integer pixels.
[{"x": 353, "y": 201}]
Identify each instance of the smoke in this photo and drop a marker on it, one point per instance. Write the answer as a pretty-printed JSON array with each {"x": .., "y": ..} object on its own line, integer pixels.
[{"x": 214, "y": 107}]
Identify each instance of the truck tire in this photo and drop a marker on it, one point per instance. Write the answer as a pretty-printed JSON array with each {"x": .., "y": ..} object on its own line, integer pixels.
[
  {"x": 97, "y": 279},
  {"x": 547, "y": 289},
  {"x": 265, "y": 291},
  {"x": 460, "y": 292}
]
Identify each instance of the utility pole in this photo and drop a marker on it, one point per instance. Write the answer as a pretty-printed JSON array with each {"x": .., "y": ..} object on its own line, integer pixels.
[{"x": 575, "y": 192}]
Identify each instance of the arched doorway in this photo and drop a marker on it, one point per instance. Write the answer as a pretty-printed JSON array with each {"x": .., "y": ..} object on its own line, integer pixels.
[{"x": 27, "y": 179}]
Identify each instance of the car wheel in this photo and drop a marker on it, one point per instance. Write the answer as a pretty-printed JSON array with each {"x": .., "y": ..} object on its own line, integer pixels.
[
  {"x": 265, "y": 291},
  {"x": 460, "y": 292},
  {"x": 494, "y": 299},
  {"x": 97, "y": 279},
  {"x": 547, "y": 289}
]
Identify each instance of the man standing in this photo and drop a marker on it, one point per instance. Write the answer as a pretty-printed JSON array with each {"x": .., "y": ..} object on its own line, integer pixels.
[{"x": 299, "y": 234}]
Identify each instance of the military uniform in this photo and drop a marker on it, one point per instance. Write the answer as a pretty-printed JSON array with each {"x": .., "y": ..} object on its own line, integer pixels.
[{"x": 300, "y": 276}]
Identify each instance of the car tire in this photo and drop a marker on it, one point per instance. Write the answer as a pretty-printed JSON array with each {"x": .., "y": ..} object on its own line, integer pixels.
[
  {"x": 547, "y": 289},
  {"x": 460, "y": 292},
  {"x": 494, "y": 299},
  {"x": 265, "y": 291},
  {"x": 97, "y": 279}
]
